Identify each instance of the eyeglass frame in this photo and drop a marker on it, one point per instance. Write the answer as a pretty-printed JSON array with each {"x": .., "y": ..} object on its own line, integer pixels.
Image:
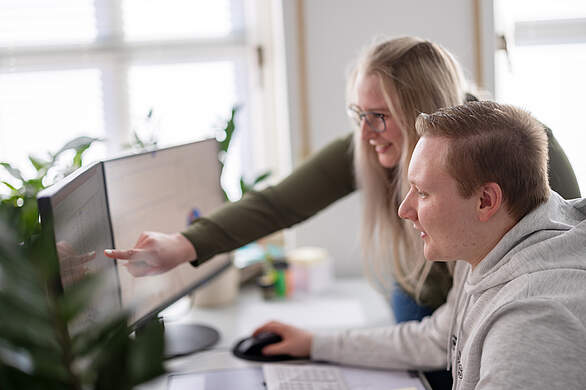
[{"x": 353, "y": 110}]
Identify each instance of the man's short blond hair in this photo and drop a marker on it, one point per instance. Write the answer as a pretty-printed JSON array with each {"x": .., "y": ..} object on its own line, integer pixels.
[{"x": 491, "y": 142}]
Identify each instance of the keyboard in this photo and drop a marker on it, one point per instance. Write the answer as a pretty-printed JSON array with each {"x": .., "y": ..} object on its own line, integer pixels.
[{"x": 303, "y": 377}]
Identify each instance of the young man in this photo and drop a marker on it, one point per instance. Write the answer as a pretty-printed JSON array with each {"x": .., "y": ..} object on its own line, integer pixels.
[{"x": 516, "y": 316}]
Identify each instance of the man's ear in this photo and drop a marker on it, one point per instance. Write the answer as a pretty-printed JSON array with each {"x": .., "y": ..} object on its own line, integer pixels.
[{"x": 490, "y": 201}]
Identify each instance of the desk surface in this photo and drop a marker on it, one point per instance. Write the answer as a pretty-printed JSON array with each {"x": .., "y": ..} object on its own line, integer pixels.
[{"x": 350, "y": 303}]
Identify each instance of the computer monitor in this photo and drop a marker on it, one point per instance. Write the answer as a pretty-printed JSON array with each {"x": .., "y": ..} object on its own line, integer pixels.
[
  {"x": 162, "y": 191},
  {"x": 76, "y": 212},
  {"x": 158, "y": 191}
]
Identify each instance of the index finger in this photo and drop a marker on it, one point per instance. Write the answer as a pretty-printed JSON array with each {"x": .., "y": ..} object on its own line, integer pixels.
[{"x": 119, "y": 254}]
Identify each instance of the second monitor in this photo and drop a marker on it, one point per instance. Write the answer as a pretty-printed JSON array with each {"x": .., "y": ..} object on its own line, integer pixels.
[{"x": 161, "y": 191}]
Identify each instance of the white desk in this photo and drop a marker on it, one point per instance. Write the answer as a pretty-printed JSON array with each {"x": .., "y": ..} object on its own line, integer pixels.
[{"x": 352, "y": 296}]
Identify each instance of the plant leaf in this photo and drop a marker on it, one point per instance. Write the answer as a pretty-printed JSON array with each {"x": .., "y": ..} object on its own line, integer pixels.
[
  {"x": 15, "y": 378},
  {"x": 76, "y": 144},
  {"x": 244, "y": 187},
  {"x": 32, "y": 188},
  {"x": 112, "y": 360},
  {"x": 50, "y": 368},
  {"x": 24, "y": 328},
  {"x": 38, "y": 163},
  {"x": 29, "y": 216},
  {"x": 14, "y": 189},
  {"x": 229, "y": 130},
  {"x": 25, "y": 317},
  {"x": 262, "y": 177},
  {"x": 145, "y": 358},
  {"x": 86, "y": 342},
  {"x": 77, "y": 159},
  {"x": 137, "y": 140},
  {"x": 13, "y": 171}
]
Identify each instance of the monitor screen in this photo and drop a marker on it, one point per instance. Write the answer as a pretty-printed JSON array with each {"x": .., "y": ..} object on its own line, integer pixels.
[
  {"x": 162, "y": 191},
  {"x": 76, "y": 210}
]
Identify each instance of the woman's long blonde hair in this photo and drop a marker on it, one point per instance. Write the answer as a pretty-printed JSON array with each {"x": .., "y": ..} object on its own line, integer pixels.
[{"x": 415, "y": 76}]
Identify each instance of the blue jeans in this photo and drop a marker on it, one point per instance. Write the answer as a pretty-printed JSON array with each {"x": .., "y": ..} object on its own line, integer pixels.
[{"x": 406, "y": 309}]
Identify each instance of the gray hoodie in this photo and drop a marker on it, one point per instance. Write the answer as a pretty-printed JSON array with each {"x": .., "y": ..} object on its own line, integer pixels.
[{"x": 518, "y": 320}]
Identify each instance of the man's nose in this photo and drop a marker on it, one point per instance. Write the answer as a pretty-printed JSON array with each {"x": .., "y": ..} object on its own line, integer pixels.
[{"x": 406, "y": 210}]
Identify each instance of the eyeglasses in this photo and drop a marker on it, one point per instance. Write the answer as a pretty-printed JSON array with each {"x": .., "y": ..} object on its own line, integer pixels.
[{"x": 375, "y": 120}]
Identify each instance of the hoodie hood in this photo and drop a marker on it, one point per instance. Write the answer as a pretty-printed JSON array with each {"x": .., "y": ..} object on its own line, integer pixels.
[
  {"x": 552, "y": 236},
  {"x": 522, "y": 271}
]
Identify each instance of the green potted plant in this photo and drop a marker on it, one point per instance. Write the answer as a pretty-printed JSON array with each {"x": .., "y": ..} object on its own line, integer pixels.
[{"x": 38, "y": 348}]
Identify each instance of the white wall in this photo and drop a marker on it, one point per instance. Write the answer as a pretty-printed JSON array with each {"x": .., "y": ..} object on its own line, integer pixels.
[{"x": 335, "y": 31}]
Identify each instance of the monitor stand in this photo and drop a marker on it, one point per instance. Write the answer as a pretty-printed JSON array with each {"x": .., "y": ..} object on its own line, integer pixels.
[{"x": 184, "y": 339}]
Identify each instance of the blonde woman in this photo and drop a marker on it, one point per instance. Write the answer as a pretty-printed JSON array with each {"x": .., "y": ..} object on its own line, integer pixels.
[{"x": 391, "y": 83}]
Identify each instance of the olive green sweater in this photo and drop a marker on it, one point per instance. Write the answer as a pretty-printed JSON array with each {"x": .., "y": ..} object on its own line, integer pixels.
[{"x": 319, "y": 182}]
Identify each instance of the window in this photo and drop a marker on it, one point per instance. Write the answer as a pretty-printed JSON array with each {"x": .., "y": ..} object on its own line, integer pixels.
[
  {"x": 41, "y": 110},
  {"x": 98, "y": 67},
  {"x": 543, "y": 68}
]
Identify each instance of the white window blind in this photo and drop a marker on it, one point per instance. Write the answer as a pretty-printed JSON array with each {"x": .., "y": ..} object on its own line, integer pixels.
[
  {"x": 46, "y": 22},
  {"x": 176, "y": 19},
  {"x": 97, "y": 68}
]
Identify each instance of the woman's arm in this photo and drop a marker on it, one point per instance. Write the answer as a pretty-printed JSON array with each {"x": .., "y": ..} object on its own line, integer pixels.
[{"x": 317, "y": 183}]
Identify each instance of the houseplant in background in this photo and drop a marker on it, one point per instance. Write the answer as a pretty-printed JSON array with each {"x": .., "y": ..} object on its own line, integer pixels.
[
  {"x": 144, "y": 136},
  {"x": 225, "y": 137},
  {"x": 38, "y": 349}
]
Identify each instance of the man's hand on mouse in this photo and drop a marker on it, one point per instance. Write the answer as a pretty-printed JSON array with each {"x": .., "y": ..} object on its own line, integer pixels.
[
  {"x": 155, "y": 253},
  {"x": 296, "y": 342}
]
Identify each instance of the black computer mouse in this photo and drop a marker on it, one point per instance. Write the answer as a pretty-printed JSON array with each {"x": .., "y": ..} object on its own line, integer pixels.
[{"x": 250, "y": 348}]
